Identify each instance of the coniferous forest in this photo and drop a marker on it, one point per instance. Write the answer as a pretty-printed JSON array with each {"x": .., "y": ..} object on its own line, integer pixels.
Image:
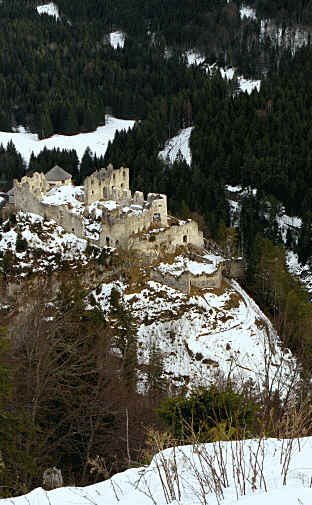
[{"x": 62, "y": 77}]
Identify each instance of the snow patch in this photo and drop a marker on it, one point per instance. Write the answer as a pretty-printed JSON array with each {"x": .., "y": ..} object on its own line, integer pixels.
[
  {"x": 117, "y": 39},
  {"x": 247, "y": 12},
  {"x": 51, "y": 9},
  {"x": 178, "y": 144}
]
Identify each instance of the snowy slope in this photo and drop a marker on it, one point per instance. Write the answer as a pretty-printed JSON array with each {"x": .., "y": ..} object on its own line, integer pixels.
[
  {"x": 176, "y": 145},
  {"x": 211, "y": 334},
  {"x": 26, "y": 143},
  {"x": 50, "y": 8},
  {"x": 246, "y": 472},
  {"x": 48, "y": 245}
]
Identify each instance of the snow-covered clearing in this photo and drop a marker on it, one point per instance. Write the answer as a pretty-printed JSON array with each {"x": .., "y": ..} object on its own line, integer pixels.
[
  {"x": 247, "y": 472},
  {"x": 117, "y": 39},
  {"x": 26, "y": 143},
  {"x": 178, "y": 144},
  {"x": 50, "y": 8}
]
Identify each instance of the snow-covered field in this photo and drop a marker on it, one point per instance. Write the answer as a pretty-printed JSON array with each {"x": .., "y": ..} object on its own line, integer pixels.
[
  {"x": 178, "y": 144},
  {"x": 249, "y": 472},
  {"x": 26, "y": 143},
  {"x": 50, "y": 8}
]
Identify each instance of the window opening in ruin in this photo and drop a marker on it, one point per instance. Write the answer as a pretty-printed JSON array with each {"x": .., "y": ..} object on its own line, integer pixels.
[
  {"x": 124, "y": 174},
  {"x": 185, "y": 238},
  {"x": 156, "y": 216},
  {"x": 107, "y": 240},
  {"x": 73, "y": 229},
  {"x": 122, "y": 186},
  {"x": 117, "y": 243}
]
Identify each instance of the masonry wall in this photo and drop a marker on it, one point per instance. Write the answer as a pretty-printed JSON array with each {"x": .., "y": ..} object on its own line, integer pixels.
[
  {"x": 53, "y": 184},
  {"x": 159, "y": 207},
  {"x": 36, "y": 184},
  {"x": 171, "y": 238},
  {"x": 180, "y": 283},
  {"x": 100, "y": 184},
  {"x": 207, "y": 281},
  {"x": 118, "y": 228},
  {"x": 26, "y": 201},
  {"x": 186, "y": 280}
]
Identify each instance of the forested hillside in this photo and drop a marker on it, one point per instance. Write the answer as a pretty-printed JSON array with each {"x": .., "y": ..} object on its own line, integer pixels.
[{"x": 72, "y": 351}]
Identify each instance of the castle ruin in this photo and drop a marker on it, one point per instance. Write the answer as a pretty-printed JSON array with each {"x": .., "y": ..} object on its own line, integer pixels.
[{"x": 105, "y": 212}]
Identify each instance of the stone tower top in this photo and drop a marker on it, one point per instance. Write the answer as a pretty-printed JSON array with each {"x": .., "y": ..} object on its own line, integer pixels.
[{"x": 106, "y": 184}]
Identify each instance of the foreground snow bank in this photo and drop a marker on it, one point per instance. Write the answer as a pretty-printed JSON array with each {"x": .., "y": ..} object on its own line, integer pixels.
[{"x": 251, "y": 472}]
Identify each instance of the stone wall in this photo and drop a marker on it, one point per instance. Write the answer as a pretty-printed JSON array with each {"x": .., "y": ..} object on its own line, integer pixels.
[
  {"x": 205, "y": 281},
  {"x": 169, "y": 239},
  {"x": 118, "y": 227},
  {"x": 36, "y": 184},
  {"x": 181, "y": 283},
  {"x": 27, "y": 201},
  {"x": 158, "y": 207},
  {"x": 66, "y": 182},
  {"x": 107, "y": 184},
  {"x": 186, "y": 280}
]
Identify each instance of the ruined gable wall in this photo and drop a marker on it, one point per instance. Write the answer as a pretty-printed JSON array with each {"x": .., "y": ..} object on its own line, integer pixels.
[
  {"x": 159, "y": 206},
  {"x": 187, "y": 233},
  {"x": 100, "y": 184},
  {"x": 36, "y": 184},
  {"x": 27, "y": 201}
]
